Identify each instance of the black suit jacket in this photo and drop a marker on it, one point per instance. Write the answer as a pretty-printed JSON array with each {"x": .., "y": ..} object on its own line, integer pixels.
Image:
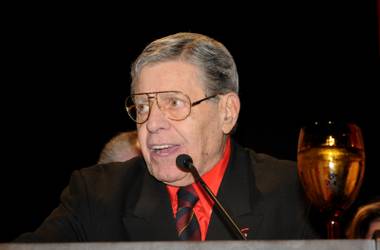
[{"x": 123, "y": 202}]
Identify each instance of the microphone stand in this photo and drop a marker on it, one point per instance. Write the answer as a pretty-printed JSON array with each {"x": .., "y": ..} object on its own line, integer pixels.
[{"x": 219, "y": 206}]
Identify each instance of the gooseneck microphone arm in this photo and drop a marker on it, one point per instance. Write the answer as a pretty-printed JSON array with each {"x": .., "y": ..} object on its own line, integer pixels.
[{"x": 184, "y": 161}]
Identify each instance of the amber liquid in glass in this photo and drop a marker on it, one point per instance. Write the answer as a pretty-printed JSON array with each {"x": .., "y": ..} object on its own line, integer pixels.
[{"x": 331, "y": 176}]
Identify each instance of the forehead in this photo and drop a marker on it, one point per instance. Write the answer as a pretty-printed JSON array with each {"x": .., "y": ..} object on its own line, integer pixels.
[{"x": 171, "y": 75}]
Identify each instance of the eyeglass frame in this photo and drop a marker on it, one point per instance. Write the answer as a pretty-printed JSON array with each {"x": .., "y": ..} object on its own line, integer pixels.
[{"x": 192, "y": 104}]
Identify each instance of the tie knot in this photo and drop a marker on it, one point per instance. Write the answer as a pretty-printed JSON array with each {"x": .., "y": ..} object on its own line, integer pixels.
[{"x": 187, "y": 197}]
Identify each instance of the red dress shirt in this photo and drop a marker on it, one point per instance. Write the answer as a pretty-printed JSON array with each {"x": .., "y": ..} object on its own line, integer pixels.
[{"x": 213, "y": 178}]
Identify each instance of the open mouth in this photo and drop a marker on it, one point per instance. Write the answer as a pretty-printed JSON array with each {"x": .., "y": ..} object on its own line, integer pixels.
[{"x": 164, "y": 149}]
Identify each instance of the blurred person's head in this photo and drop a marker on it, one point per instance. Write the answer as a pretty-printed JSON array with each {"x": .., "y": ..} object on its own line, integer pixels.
[
  {"x": 120, "y": 148},
  {"x": 366, "y": 222}
]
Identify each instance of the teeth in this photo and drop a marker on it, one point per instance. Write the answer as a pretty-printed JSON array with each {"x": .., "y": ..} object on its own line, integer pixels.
[{"x": 159, "y": 147}]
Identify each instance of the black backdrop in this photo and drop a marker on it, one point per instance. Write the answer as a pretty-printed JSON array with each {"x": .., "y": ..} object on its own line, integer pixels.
[{"x": 67, "y": 75}]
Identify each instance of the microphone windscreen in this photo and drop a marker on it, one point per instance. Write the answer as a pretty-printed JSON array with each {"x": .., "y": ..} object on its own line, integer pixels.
[{"x": 184, "y": 161}]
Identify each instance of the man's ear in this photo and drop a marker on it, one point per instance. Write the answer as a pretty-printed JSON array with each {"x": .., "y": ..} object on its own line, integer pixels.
[{"x": 230, "y": 108}]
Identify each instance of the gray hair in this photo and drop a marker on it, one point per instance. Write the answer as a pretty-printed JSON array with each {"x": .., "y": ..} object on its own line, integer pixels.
[{"x": 210, "y": 56}]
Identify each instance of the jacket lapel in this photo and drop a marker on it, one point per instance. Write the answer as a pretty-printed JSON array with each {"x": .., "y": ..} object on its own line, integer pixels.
[
  {"x": 238, "y": 194},
  {"x": 151, "y": 217}
]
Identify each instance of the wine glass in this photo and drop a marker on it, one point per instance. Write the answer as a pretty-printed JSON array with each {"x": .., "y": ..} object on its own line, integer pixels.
[{"x": 330, "y": 162}]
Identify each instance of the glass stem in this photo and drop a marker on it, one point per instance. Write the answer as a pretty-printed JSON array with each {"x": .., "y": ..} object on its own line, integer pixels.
[{"x": 333, "y": 227}]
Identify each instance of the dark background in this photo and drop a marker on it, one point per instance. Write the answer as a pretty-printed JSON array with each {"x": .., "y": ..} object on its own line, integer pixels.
[{"x": 66, "y": 76}]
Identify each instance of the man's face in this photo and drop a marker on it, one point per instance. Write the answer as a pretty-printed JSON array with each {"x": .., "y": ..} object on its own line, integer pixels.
[{"x": 200, "y": 135}]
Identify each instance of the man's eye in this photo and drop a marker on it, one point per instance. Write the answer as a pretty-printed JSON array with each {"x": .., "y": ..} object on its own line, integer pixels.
[
  {"x": 176, "y": 103},
  {"x": 142, "y": 108}
]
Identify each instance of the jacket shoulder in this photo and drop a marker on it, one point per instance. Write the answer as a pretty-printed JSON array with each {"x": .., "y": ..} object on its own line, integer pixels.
[
  {"x": 113, "y": 178},
  {"x": 113, "y": 170}
]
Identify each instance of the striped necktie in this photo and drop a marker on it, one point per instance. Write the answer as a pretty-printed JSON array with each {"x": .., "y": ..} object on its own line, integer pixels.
[{"x": 186, "y": 221}]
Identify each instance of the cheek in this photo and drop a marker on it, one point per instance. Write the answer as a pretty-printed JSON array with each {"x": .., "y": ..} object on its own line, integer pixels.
[
  {"x": 142, "y": 138},
  {"x": 208, "y": 133},
  {"x": 211, "y": 125}
]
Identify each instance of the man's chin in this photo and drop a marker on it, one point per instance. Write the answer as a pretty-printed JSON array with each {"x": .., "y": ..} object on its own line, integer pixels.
[{"x": 182, "y": 179}]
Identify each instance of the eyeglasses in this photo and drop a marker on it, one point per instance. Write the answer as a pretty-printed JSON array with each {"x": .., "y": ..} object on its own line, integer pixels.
[{"x": 174, "y": 104}]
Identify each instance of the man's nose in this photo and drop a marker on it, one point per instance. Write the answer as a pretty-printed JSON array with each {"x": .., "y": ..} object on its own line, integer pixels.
[{"x": 157, "y": 119}]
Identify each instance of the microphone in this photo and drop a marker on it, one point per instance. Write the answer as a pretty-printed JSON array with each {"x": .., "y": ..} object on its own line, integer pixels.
[{"x": 184, "y": 161}]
